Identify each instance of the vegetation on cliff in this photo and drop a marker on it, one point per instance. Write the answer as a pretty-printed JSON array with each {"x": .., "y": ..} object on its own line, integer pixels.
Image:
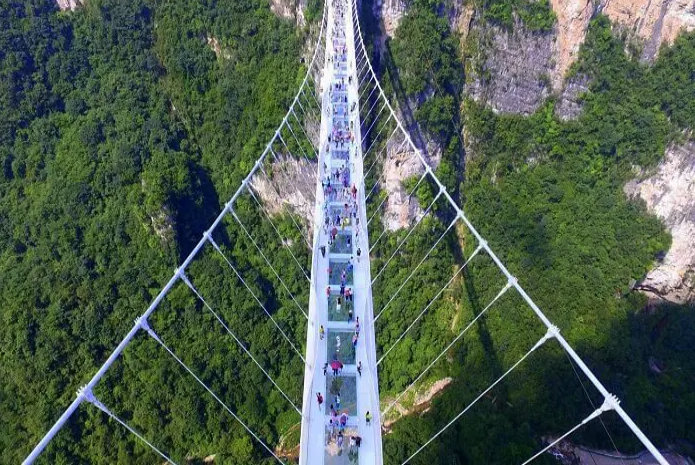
[
  {"x": 536, "y": 15},
  {"x": 121, "y": 134},
  {"x": 548, "y": 196}
]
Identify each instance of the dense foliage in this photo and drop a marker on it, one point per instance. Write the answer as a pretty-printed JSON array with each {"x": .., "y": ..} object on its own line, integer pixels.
[
  {"x": 548, "y": 196},
  {"x": 126, "y": 124},
  {"x": 122, "y": 132},
  {"x": 536, "y": 15}
]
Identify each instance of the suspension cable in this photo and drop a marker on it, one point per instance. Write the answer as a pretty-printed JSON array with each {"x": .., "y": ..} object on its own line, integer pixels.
[
  {"x": 318, "y": 105},
  {"x": 267, "y": 261},
  {"x": 446, "y": 349},
  {"x": 606, "y": 406},
  {"x": 369, "y": 194},
  {"x": 310, "y": 106},
  {"x": 253, "y": 294},
  {"x": 412, "y": 228},
  {"x": 239, "y": 342},
  {"x": 369, "y": 112},
  {"x": 374, "y": 88},
  {"x": 383, "y": 149},
  {"x": 360, "y": 67},
  {"x": 309, "y": 116},
  {"x": 424, "y": 310},
  {"x": 282, "y": 238},
  {"x": 364, "y": 154},
  {"x": 311, "y": 142},
  {"x": 359, "y": 58},
  {"x": 364, "y": 85},
  {"x": 586, "y": 393},
  {"x": 290, "y": 151},
  {"x": 299, "y": 144},
  {"x": 89, "y": 396},
  {"x": 362, "y": 71},
  {"x": 154, "y": 336},
  {"x": 376, "y": 118},
  {"x": 412, "y": 273},
  {"x": 549, "y": 334}
]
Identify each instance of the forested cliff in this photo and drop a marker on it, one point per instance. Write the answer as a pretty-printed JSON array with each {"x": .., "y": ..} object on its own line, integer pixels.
[
  {"x": 122, "y": 134},
  {"x": 126, "y": 125},
  {"x": 566, "y": 116}
]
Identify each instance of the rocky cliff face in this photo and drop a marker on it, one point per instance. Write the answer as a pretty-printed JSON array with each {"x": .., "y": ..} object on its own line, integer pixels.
[
  {"x": 390, "y": 12},
  {"x": 670, "y": 194},
  {"x": 653, "y": 22},
  {"x": 400, "y": 163},
  {"x": 568, "y": 103},
  {"x": 290, "y": 184},
  {"x": 460, "y": 18},
  {"x": 573, "y": 18},
  {"x": 514, "y": 76},
  {"x": 520, "y": 68},
  {"x": 289, "y": 9}
]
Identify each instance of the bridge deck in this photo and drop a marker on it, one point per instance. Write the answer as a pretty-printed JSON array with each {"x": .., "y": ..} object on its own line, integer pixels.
[{"x": 337, "y": 313}]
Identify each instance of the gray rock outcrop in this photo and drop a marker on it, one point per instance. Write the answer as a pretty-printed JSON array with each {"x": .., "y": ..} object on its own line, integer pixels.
[
  {"x": 390, "y": 12},
  {"x": 670, "y": 194},
  {"x": 569, "y": 105},
  {"x": 401, "y": 163},
  {"x": 289, "y": 9},
  {"x": 290, "y": 184},
  {"x": 515, "y": 75}
]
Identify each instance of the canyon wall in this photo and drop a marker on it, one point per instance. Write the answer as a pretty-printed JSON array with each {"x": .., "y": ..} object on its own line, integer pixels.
[{"x": 669, "y": 192}]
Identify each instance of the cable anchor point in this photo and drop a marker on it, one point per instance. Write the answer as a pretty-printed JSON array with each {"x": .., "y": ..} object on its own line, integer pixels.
[
  {"x": 181, "y": 274},
  {"x": 552, "y": 332},
  {"x": 145, "y": 325},
  {"x": 610, "y": 402},
  {"x": 85, "y": 393},
  {"x": 482, "y": 243},
  {"x": 208, "y": 236}
]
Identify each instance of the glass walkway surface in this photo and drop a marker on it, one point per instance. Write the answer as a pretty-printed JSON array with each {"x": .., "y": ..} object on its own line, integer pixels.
[{"x": 340, "y": 337}]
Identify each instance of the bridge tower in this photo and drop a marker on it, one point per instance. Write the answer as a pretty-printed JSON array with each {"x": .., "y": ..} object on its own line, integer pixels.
[{"x": 341, "y": 353}]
